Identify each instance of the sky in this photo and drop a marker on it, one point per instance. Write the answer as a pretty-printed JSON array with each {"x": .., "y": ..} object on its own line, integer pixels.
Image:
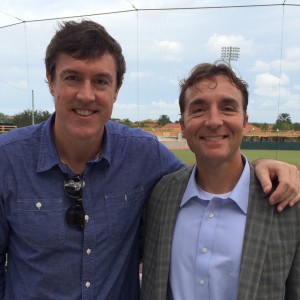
[{"x": 161, "y": 41}]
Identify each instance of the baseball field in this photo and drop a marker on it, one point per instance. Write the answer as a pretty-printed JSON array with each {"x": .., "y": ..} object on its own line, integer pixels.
[{"x": 291, "y": 157}]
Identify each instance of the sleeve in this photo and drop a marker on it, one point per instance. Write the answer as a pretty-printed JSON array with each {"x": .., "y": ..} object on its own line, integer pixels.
[
  {"x": 3, "y": 246},
  {"x": 168, "y": 160},
  {"x": 292, "y": 283}
]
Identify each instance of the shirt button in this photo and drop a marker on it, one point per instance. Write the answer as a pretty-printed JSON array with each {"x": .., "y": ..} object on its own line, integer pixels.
[
  {"x": 88, "y": 251},
  {"x": 204, "y": 250},
  {"x": 87, "y": 284},
  {"x": 86, "y": 217},
  {"x": 202, "y": 282},
  {"x": 210, "y": 215}
]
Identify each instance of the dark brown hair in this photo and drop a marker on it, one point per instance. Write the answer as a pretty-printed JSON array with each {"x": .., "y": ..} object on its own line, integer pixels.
[
  {"x": 209, "y": 71},
  {"x": 84, "y": 40}
]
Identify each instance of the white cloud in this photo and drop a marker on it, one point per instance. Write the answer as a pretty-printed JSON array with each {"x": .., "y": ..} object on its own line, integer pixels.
[
  {"x": 290, "y": 62},
  {"x": 216, "y": 42},
  {"x": 273, "y": 95},
  {"x": 170, "y": 50}
]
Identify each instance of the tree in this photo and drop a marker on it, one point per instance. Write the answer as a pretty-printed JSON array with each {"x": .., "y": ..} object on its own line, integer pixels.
[
  {"x": 284, "y": 117},
  {"x": 127, "y": 122},
  {"x": 4, "y": 118},
  {"x": 163, "y": 120},
  {"x": 25, "y": 118},
  {"x": 296, "y": 126},
  {"x": 283, "y": 122}
]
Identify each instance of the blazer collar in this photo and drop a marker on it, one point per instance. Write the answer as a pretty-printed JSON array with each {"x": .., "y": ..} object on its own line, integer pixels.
[{"x": 259, "y": 215}]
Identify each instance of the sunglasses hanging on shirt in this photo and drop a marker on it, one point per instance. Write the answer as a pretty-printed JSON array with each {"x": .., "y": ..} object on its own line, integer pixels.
[{"x": 73, "y": 187}]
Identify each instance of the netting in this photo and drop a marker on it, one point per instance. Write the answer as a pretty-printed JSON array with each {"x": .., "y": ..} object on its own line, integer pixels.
[{"x": 161, "y": 46}]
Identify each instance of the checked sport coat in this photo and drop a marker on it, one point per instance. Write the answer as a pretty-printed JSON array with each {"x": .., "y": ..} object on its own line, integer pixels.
[{"x": 270, "y": 262}]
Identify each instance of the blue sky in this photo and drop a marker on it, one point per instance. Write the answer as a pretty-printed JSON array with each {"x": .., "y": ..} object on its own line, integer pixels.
[{"x": 160, "y": 47}]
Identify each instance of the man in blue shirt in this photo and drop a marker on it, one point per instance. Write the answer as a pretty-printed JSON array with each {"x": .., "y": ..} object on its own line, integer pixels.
[
  {"x": 72, "y": 189},
  {"x": 209, "y": 231}
]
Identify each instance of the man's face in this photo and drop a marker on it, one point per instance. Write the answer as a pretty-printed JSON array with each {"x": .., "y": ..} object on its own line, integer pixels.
[
  {"x": 214, "y": 120},
  {"x": 84, "y": 92}
]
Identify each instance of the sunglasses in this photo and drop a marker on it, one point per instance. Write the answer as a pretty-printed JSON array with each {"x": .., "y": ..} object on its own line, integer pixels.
[{"x": 75, "y": 215}]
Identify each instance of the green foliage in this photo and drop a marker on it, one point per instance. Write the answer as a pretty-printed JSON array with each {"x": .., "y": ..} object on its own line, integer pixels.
[
  {"x": 4, "y": 118},
  {"x": 127, "y": 122},
  {"x": 296, "y": 126},
  {"x": 262, "y": 126},
  {"x": 25, "y": 118},
  {"x": 283, "y": 122},
  {"x": 163, "y": 120},
  {"x": 142, "y": 125}
]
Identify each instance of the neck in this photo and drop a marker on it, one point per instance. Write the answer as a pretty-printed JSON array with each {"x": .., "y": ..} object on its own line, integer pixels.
[
  {"x": 76, "y": 153},
  {"x": 219, "y": 179}
]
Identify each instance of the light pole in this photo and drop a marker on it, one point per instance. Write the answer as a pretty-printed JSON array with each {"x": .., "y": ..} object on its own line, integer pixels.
[{"x": 230, "y": 53}]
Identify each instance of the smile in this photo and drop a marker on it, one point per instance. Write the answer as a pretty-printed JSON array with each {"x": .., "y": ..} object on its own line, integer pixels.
[
  {"x": 214, "y": 138},
  {"x": 84, "y": 113}
]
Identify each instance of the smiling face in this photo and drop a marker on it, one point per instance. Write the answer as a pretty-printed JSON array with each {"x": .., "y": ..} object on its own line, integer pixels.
[
  {"x": 84, "y": 92},
  {"x": 214, "y": 120}
]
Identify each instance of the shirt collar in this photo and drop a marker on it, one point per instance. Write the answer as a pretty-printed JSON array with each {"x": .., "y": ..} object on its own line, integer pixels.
[
  {"x": 48, "y": 155},
  {"x": 240, "y": 193}
]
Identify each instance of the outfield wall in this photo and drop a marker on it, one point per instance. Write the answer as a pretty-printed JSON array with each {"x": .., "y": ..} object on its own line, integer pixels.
[{"x": 271, "y": 145}]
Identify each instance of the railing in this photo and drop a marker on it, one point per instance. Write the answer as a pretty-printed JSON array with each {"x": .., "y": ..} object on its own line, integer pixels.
[{"x": 5, "y": 128}]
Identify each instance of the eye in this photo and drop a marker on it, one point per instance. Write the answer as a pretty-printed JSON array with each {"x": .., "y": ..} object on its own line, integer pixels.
[
  {"x": 101, "y": 81},
  {"x": 229, "y": 108},
  {"x": 198, "y": 110},
  {"x": 71, "y": 77}
]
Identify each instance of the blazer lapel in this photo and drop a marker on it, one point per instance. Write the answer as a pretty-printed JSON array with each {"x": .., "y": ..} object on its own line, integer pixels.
[
  {"x": 258, "y": 224},
  {"x": 169, "y": 212}
]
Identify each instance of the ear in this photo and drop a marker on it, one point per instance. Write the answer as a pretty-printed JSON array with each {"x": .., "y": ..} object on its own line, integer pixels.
[
  {"x": 116, "y": 94},
  {"x": 50, "y": 83},
  {"x": 245, "y": 120},
  {"x": 181, "y": 122},
  {"x": 245, "y": 124}
]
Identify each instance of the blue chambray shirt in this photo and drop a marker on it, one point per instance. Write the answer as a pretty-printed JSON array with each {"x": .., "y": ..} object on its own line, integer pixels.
[
  {"x": 208, "y": 241},
  {"x": 49, "y": 259}
]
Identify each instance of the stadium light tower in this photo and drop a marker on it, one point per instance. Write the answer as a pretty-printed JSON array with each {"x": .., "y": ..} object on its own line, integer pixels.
[{"x": 230, "y": 53}]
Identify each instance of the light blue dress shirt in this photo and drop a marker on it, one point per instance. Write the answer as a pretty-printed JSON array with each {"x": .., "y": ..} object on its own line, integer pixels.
[{"x": 207, "y": 242}]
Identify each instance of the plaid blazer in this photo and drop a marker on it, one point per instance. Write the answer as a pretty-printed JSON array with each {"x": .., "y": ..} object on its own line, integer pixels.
[{"x": 270, "y": 263}]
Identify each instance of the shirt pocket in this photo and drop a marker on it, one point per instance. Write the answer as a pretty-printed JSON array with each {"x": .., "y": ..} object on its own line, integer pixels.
[
  {"x": 124, "y": 211},
  {"x": 41, "y": 222}
]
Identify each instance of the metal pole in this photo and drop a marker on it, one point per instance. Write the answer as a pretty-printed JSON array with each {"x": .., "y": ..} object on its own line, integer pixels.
[{"x": 32, "y": 93}]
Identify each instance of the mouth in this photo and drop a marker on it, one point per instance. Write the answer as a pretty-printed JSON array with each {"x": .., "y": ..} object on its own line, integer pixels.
[
  {"x": 83, "y": 112},
  {"x": 214, "y": 138}
]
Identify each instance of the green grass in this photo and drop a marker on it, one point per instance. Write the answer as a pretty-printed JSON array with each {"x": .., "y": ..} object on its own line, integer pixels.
[{"x": 291, "y": 157}]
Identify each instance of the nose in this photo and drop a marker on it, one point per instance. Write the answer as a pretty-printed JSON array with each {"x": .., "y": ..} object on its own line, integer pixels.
[
  {"x": 214, "y": 118},
  {"x": 86, "y": 92}
]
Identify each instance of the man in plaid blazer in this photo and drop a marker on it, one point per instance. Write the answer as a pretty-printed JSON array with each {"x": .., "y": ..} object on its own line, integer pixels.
[{"x": 244, "y": 249}]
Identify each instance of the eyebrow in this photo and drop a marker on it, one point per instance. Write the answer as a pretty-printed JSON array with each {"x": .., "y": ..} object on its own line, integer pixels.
[
  {"x": 226, "y": 100},
  {"x": 230, "y": 101},
  {"x": 101, "y": 74}
]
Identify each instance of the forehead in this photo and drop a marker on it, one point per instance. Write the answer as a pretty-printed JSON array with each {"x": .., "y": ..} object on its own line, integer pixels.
[
  {"x": 218, "y": 85},
  {"x": 104, "y": 63}
]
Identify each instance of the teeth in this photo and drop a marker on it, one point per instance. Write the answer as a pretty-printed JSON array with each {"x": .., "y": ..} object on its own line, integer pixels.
[
  {"x": 83, "y": 112},
  {"x": 213, "y": 138}
]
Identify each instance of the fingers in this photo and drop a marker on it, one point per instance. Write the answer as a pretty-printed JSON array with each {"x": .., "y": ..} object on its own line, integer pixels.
[
  {"x": 263, "y": 174},
  {"x": 287, "y": 192}
]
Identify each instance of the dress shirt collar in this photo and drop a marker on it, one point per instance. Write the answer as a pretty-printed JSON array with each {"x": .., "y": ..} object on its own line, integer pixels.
[
  {"x": 239, "y": 194},
  {"x": 48, "y": 156}
]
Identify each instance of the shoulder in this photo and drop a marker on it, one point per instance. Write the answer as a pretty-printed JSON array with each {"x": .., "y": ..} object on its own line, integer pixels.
[
  {"x": 20, "y": 134},
  {"x": 173, "y": 181},
  {"x": 178, "y": 175},
  {"x": 120, "y": 130}
]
